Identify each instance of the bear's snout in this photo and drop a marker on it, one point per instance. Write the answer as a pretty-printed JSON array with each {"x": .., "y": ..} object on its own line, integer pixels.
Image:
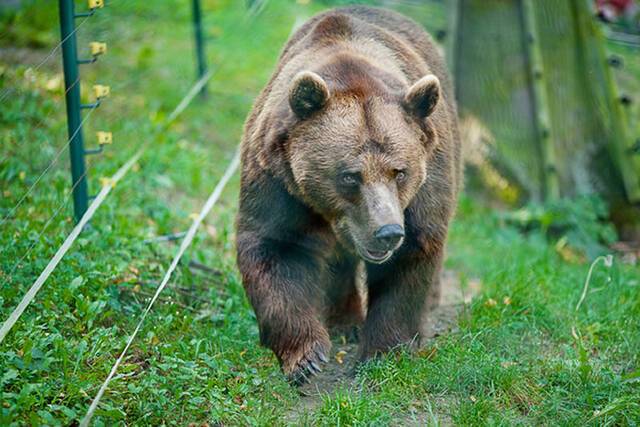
[
  {"x": 385, "y": 241},
  {"x": 377, "y": 228},
  {"x": 388, "y": 236}
]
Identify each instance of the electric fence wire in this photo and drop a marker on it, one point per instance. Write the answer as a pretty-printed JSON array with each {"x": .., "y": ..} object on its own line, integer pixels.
[
  {"x": 44, "y": 172},
  {"x": 66, "y": 145},
  {"x": 184, "y": 245},
  {"x": 97, "y": 201},
  {"x": 63, "y": 148},
  {"x": 50, "y": 54},
  {"x": 114, "y": 88},
  {"x": 65, "y": 202},
  {"x": 41, "y": 120},
  {"x": 53, "y": 51},
  {"x": 255, "y": 8},
  {"x": 53, "y": 263}
]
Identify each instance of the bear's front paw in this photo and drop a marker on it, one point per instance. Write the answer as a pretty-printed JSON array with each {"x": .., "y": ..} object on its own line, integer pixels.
[{"x": 302, "y": 363}]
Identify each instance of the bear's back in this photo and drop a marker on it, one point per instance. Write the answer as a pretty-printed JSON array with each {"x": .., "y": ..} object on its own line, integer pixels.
[{"x": 390, "y": 29}]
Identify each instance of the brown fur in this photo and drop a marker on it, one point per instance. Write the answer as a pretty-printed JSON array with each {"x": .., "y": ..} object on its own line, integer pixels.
[{"x": 300, "y": 231}]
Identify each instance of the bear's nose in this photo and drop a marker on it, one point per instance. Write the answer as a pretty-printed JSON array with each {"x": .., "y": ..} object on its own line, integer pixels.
[{"x": 389, "y": 235}]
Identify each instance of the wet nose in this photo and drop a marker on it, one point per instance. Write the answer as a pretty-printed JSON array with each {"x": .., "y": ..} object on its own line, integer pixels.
[{"x": 389, "y": 235}]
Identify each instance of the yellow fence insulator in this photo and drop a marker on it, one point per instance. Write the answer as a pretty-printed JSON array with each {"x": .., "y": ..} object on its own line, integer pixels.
[
  {"x": 101, "y": 91},
  {"x": 98, "y": 48},
  {"x": 104, "y": 138},
  {"x": 96, "y": 4}
]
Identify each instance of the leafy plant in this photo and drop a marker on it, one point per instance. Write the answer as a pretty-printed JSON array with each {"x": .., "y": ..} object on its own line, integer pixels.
[
  {"x": 28, "y": 23},
  {"x": 580, "y": 224}
]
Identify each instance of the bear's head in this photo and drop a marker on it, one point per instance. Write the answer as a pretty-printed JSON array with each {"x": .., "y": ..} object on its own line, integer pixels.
[{"x": 358, "y": 153}]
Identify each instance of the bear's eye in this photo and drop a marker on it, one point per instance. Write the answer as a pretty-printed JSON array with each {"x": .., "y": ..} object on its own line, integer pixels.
[
  {"x": 400, "y": 175},
  {"x": 349, "y": 179}
]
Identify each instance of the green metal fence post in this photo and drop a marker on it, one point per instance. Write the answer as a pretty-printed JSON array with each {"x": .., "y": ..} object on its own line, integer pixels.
[
  {"x": 74, "y": 119},
  {"x": 199, "y": 39}
]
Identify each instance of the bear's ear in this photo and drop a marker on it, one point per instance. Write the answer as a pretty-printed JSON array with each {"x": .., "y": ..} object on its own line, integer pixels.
[
  {"x": 308, "y": 94},
  {"x": 421, "y": 98}
]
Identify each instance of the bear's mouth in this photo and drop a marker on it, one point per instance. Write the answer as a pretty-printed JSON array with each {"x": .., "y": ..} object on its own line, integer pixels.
[{"x": 376, "y": 257}]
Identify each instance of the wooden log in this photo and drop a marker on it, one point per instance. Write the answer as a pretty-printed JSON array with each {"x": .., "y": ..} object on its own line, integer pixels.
[{"x": 540, "y": 101}]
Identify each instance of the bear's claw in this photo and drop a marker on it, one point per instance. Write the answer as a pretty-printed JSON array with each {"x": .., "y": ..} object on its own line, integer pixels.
[
  {"x": 322, "y": 357},
  {"x": 307, "y": 367}
]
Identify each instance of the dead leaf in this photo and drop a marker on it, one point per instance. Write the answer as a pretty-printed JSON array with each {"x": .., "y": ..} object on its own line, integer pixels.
[
  {"x": 491, "y": 302},
  {"x": 212, "y": 231},
  {"x": 427, "y": 353}
]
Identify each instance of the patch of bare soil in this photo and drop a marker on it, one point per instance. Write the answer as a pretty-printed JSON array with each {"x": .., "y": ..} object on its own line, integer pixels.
[{"x": 340, "y": 369}]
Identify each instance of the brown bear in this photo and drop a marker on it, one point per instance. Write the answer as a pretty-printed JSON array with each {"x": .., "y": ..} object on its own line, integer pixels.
[{"x": 350, "y": 157}]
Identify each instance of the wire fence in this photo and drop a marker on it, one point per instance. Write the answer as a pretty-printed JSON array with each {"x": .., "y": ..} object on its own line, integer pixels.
[
  {"x": 108, "y": 184},
  {"x": 184, "y": 245},
  {"x": 50, "y": 55}
]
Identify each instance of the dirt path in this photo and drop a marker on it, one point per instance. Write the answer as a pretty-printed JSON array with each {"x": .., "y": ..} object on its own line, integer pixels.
[{"x": 339, "y": 371}]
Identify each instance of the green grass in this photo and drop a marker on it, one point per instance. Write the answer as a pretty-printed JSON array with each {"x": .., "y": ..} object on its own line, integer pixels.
[{"x": 531, "y": 361}]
